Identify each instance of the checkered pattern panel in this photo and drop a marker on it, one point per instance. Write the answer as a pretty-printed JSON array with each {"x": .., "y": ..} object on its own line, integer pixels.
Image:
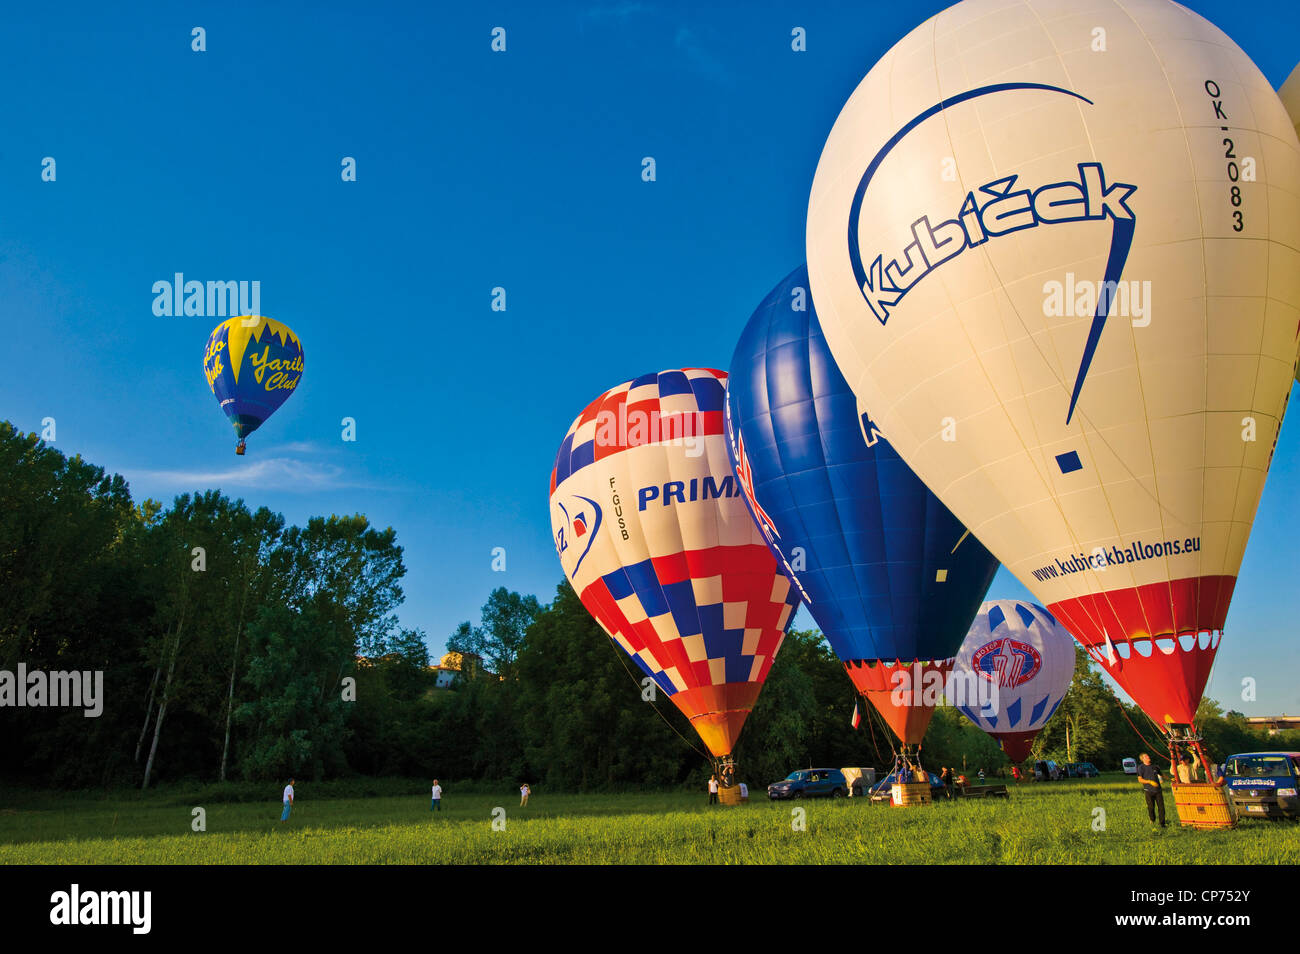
[
  {"x": 688, "y": 623},
  {"x": 642, "y": 411}
]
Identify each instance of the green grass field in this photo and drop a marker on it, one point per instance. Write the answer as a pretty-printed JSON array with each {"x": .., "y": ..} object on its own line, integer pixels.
[{"x": 1044, "y": 823}]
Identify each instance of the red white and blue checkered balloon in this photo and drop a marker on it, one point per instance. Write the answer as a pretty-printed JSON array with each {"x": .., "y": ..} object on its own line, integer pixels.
[{"x": 652, "y": 530}]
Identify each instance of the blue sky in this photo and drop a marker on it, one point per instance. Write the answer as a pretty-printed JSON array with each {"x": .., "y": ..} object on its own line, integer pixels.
[{"x": 474, "y": 170}]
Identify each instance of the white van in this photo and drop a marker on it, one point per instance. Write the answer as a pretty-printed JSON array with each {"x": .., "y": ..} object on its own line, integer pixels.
[{"x": 1130, "y": 766}]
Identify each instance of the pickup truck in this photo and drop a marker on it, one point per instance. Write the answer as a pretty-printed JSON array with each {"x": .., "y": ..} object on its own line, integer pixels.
[{"x": 810, "y": 783}]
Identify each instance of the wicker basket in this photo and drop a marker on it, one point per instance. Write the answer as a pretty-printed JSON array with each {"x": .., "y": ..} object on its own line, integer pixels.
[
  {"x": 910, "y": 793},
  {"x": 729, "y": 796},
  {"x": 1203, "y": 805}
]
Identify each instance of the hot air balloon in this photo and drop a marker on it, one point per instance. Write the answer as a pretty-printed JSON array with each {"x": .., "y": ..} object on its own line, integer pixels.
[
  {"x": 252, "y": 365},
  {"x": 1044, "y": 270},
  {"x": 652, "y": 531},
  {"x": 1289, "y": 93},
  {"x": 890, "y": 575},
  {"x": 1025, "y": 659}
]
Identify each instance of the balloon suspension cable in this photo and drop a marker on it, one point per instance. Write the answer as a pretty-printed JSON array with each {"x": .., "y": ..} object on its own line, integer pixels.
[
  {"x": 631, "y": 675},
  {"x": 871, "y": 726},
  {"x": 886, "y": 732},
  {"x": 1136, "y": 730}
]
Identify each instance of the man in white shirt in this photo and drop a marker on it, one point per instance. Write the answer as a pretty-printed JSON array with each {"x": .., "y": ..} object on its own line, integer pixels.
[
  {"x": 1187, "y": 770},
  {"x": 437, "y": 797},
  {"x": 288, "y": 801},
  {"x": 524, "y": 792}
]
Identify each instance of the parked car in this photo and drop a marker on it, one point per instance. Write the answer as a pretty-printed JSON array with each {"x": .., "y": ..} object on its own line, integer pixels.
[
  {"x": 1130, "y": 766},
  {"x": 810, "y": 783},
  {"x": 1264, "y": 784},
  {"x": 1081, "y": 770},
  {"x": 1047, "y": 771}
]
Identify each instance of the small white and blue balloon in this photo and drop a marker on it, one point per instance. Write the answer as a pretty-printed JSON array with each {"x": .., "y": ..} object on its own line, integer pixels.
[{"x": 1012, "y": 672}]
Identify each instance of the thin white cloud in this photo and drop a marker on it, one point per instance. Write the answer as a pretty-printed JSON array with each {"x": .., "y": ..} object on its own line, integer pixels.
[
  {"x": 270, "y": 473},
  {"x": 298, "y": 447}
]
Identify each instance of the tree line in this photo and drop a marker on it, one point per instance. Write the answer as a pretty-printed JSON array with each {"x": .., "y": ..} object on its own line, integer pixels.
[{"x": 234, "y": 647}]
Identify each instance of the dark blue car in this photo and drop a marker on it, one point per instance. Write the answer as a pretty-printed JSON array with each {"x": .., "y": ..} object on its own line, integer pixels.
[{"x": 810, "y": 783}]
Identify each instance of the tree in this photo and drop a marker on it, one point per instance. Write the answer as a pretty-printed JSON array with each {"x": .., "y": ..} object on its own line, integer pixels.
[
  {"x": 61, "y": 522},
  {"x": 188, "y": 611},
  {"x": 253, "y": 541},
  {"x": 296, "y": 715},
  {"x": 350, "y": 571},
  {"x": 583, "y": 717},
  {"x": 336, "y": 593},
  {"x": 1076, "y": 732},
  {"x": 500, "y": 635},
  {"x": 775, "y": 738}
]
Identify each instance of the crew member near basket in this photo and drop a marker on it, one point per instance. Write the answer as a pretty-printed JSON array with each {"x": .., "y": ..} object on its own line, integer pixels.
[{"x": 1149, "y": 776}]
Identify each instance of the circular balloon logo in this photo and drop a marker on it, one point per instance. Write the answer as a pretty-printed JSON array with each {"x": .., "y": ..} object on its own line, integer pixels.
[{"x": 1008, "y": 662}]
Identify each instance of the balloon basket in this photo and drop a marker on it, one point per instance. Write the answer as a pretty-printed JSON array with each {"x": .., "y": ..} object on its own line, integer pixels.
[
  {"x": 1203, "y": 805},
  {"x": 910, "y": 793},
  {"x": 729, "y": 795},
  {"x": 1199, "y": 804}
]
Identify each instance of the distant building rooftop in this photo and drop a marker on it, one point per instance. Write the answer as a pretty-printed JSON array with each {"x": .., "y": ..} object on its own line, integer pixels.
[{"x": 1275, "y": 724}]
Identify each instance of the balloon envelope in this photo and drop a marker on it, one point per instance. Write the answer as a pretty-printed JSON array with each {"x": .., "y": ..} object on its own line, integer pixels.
[
  {"x": 1289, "y": 93},
  {"x": 984, "y": 184},
  {"x": 654, "y": 536},
  {"x": 252, "y": 365},
  {"x": 890, "y": 575},
  {"x": 1019, "y": 648}
]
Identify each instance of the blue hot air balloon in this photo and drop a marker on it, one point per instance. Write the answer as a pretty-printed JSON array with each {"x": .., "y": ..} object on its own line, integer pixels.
[
  {"x": 890, "y": 575},
  {"x": 252, "y": 365}
]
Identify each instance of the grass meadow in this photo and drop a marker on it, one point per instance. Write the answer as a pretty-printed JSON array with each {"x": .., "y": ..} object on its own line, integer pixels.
[{"x": 1039, "y": 823}]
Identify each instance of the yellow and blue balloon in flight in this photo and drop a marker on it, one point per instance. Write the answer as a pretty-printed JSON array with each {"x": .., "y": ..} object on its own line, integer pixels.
[{"x": 252, "y": 365}]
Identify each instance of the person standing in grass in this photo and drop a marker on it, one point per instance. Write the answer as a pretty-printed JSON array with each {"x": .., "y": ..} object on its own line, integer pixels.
[
  {"x": 1149, "y": 776},
  {"x": 713, "y": 789},
  {"x": 436, "y": 805},
  {"x": 524, "y": 792},
  {"x": 288, "y": 802}
]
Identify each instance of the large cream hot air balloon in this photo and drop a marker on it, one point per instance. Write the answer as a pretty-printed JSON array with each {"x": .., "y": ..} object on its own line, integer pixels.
[
  {"x": 1055, "y": 248},
  {"x": 1289, "y": 93}
]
